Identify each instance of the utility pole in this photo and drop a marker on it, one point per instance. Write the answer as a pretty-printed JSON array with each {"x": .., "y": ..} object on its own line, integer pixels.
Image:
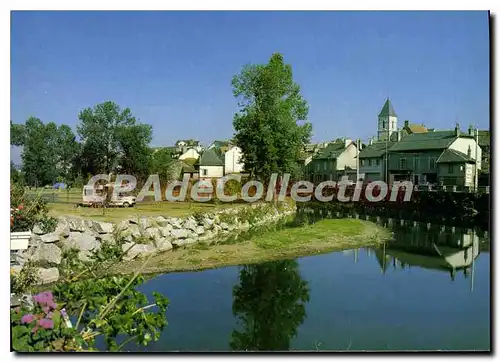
[
  {"x": 357, "y": 160},
  {"x": 387, "y": 156},
  {"x": 476, "y": 174}
]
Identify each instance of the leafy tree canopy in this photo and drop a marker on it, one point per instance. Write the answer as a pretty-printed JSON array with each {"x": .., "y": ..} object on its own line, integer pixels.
[{"x": 270, "y": 127}]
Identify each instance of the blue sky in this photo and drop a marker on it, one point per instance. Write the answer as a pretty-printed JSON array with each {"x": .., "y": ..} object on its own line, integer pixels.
[{"x": 174, "y": 69}]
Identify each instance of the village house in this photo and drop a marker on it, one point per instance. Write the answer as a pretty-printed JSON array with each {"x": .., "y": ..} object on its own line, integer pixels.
[
  {"x": 332, "y": 162},
  {"x": 232, "y": 160},
  {"x": 372, "y": 160},
  {"x": 438, "y": 157},
  {"x": 211, "y": 164},
  {"x": 190, "y": 153}
]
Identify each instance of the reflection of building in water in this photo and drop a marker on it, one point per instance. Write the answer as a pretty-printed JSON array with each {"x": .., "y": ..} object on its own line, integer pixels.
[{"x": 431, "y": 248}]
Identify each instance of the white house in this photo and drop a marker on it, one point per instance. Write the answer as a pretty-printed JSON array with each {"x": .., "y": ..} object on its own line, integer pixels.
[
  {"x": 211, "y": 164},
  {"x": 190, "y": 153},
  {"x": 232, "y": 160}
]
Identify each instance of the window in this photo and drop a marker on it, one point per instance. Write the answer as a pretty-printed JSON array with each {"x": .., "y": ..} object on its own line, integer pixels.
[
  {"x": 369, "y": 162},
  {"x": 402, "y": 163},
  {"x": 383, "y": 124},
  {"x": 461, "y": 167},
  {"x": 325, "y": 166},
  {"x": 432, "y": 163},
  {"x": 415, "y": 163},
  {"x": 204, "y": 172},
  {"x": 362, "y": 162},
  {"x": 450, "y": 168},
  {"x": 377, "y": 161},
  {"x": 317, "y": 166}
]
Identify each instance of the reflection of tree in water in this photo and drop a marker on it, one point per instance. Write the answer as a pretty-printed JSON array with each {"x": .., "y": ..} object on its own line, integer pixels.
[{"x": 270, "y": 301}]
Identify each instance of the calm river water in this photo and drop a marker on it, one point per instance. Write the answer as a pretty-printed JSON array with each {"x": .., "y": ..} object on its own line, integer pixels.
[{"x": 429, "y": 289}]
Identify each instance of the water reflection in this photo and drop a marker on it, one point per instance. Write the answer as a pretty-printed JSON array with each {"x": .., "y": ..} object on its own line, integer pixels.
[{"x": 269, "y": 302}]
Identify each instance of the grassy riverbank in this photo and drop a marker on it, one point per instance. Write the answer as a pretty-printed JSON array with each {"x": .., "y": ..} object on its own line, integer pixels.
[{"x": 321, "y": 237}]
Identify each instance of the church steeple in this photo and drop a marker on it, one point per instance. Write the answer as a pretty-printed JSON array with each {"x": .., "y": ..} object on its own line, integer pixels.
[
  {"x": 387, "y": 110},
  {"x": 387, "y": 121}
]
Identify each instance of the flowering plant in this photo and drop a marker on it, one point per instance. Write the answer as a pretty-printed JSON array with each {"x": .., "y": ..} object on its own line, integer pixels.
[
  {"x": 42, "y": 327},
  {"x": 26, "y": 212}
]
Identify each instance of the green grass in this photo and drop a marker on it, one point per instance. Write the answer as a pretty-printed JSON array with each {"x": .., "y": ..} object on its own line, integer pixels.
[
  {"x": 323, "y": 229},
  {"x": 163, "y": 208}
]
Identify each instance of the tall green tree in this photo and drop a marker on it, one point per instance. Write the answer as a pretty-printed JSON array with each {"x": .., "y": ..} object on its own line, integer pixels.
[
  {"x": 135, "y": 153},
  {"x": 39, "y": 155},
  {"x": 67, "y": 151},
  {"x": 111, "y": 137},
  {"x": 271, "y": 126},
  {"x": 270, "y": 302},
  {"x": 161, "y": 163},
  {"x": 17, "y": 134}
]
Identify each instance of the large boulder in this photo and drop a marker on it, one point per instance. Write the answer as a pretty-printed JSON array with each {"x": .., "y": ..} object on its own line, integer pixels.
[
  {"x": 46, "y": 253},
  {"x": 132, "y": 232},
  {"x": 190, "y": 224},
  {"x": 179, "y": 233},
  {"x": 50, "y": 238},
  {"x": 166, "y": 230},
  {"x": 47, "y": 276},
  {"x": 139, "y": 250},
  {"x": 175, "y": 222},
  {"x": 37, "y": 229},
  {"x": 77, "y": 224},
  {"x": 106, "y": 238},
  {"x": 161, "y": 221},
  {"x": 123, "y": 225},
  {"x": 163, "y": 244},
  {"x": 34, "y": 240},
  {"x": 81, "y": 241},
  {"x": 207, "y": 222},
  {"x": 152, "y": 233},
  {"x": 146, "y": 223},
  {"x": 62, "y": 228},
  {"x": 103, "y": 227}
]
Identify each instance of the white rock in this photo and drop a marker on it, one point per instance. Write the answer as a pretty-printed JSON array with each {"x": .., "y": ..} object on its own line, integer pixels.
[
  {"x": 152, "y": 233},
  {"x": 47, "y": 276},
  {"x": 137, "y": 250},
  {"x": 81, "y": 241},
  {"x": 37, "y": 230},
  {"x": 48, "y": 253},
  {"x": 161, "y": 221},
  {"x": 103, "y": 227},
  {"x": 190, "y": 224},
  {"x": 166, "y": 230},
  {"x": 50, "y": 238},
  {"x": 163, "y": 244},
  {"x": 179, "y": 233},
  {"x": 199, "y": 230}
]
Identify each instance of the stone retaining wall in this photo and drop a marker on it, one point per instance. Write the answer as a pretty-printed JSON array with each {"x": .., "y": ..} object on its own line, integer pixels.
[{"x": 140, "y": 236}]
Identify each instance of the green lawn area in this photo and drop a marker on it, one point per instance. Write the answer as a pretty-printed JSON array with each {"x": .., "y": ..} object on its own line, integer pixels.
[
  {"x": 321, "y": 237},
  {"x": 162, "y": 208},
  {"x": 63, "y": 202}
]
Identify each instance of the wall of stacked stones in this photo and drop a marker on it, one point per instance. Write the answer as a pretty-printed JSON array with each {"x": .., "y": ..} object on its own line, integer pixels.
[{"x": 141, "y": 236}]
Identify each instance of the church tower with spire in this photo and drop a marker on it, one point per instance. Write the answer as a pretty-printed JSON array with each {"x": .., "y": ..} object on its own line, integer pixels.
[{"x": 387, "y": 121}]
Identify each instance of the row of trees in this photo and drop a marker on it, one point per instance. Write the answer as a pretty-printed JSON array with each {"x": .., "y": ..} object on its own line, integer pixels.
[
  {"x": 270, "y": 128},
  {"x": 108, "y": 139}
]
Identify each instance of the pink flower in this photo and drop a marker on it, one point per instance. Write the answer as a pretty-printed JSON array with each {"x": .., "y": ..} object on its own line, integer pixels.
[
  {"x": 46, "y": 323},
  {"x": 27, "y": 318}
]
